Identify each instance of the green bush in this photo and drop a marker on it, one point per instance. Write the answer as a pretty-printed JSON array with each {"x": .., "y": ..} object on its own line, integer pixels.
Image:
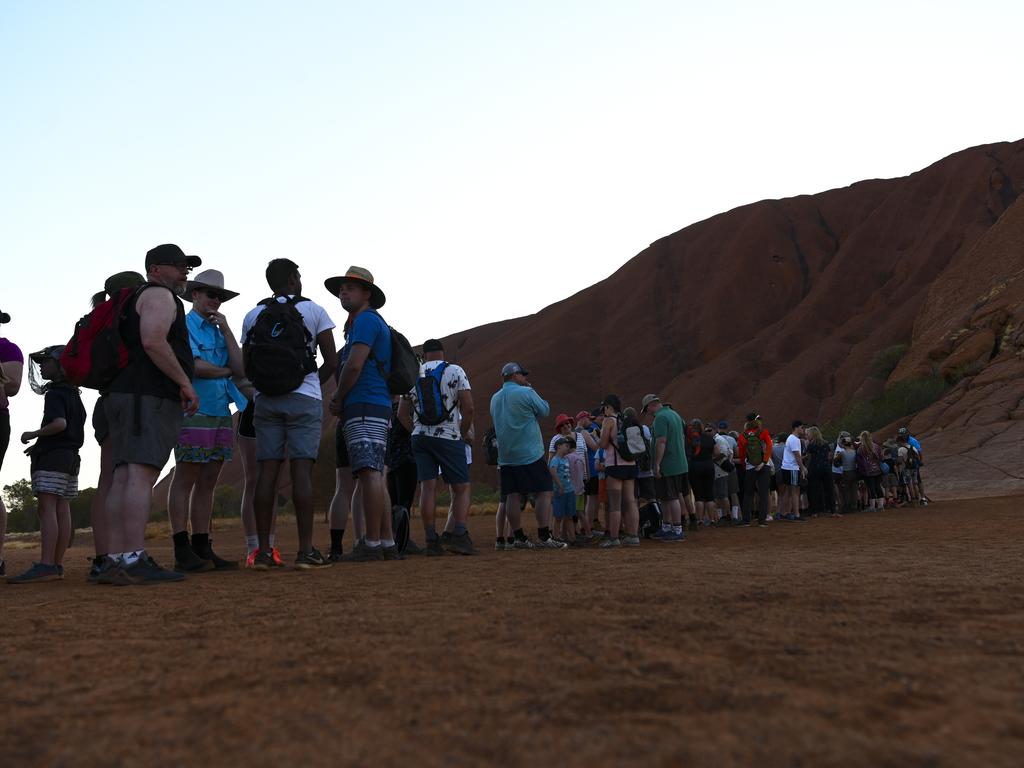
[
  {"x": 901, "y": 400},
  {"x": 21, "y": 507},
  {"x": 227, "y": 501},
  {"x": 886, "y": 360}
]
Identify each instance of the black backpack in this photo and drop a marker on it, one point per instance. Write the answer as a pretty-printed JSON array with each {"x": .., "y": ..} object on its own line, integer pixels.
[
  {"x": 490, "y": 446},
  {"x": 431, "y": 411},
  {"x": 405, "y": 366},
  {"x": 649, "y": 519},
  {"x": 632, "y": 444},
  {"x": 278, "y": 350}
]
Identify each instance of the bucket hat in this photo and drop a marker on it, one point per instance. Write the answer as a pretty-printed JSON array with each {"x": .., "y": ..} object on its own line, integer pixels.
[
  {"x": 210, "y": 278},
  {"x": 358, "y": 275}
]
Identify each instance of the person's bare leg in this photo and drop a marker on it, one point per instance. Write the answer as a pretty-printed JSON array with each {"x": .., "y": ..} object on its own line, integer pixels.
[
  {"x": 63, "y": 530},
  {"x": 375, "y": 499},
  {"x": 131, "y": 494},
  {"x": 513, "y": 513},
  {"x": 630, "y": 510},
  {"x": 263, "y": 500},
  {"x": 500, "y": 521},
  {"x": 674, "y": 511},
  {"x": 358, "y": 516},
  {"x": 428, "y": 505},
  {"x": 99, "y": 511},
  {"x": 302, "y": 498},
  {"x": 250, "y": 470},
  {"x": 543, "y": 509},
  {"x": 201, "y": 508},
  {"x": 179, "y": 494},
  {"x": 460, "y": 504},
  {"x": 341, "y": 502},
  {"x": 614, "y": 508},
  {"x": 3, "y": 527},
  {"x": 46, "y": 509}
]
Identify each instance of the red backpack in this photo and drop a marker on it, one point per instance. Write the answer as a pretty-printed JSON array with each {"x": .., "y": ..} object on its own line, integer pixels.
[{"x": 96, "y": 352}]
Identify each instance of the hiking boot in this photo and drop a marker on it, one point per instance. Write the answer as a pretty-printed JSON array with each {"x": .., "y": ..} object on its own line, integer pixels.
[
  {"x": 38, "y": 572},
  {"x": 361, "y": 553},
  {"x": 631, "y": 541},
  {"x": 435, "y": 548},
  {"x": 146, "y": 570},
  {"x": 187, "y": 561},
  {"x": 522, "y": 544},
  {"x": 412, "y": 549},
  {"x": 462, "y": 545},
  {"x": 206, "y": 552},
  {"x": 308, "y": 561},
  {"x": 610, "y": 544},
  {"x": 260, "y": 560},
  {"x": 550, "y": 543}
]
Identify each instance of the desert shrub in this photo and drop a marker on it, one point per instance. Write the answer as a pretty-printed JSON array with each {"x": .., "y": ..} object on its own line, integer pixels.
[
  {"x": 21, "y": 507},
  {"x": 886, "y": 360},
  {"x": 227, "y": 501},
  {"x": 901, "y": 400}
]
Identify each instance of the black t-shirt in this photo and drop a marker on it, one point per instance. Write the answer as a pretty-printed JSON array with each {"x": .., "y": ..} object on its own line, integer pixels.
[{"x": 62, "y": 402}]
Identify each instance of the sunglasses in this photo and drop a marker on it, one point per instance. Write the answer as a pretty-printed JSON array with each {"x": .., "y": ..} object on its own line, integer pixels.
[
  {"x": 217, "y": 295},
  {"x": 181, "y": 266}
]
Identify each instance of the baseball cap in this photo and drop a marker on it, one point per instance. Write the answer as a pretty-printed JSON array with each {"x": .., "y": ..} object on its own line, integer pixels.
[
  {"x": 53, "y": 352},
  {"x": 723, "y": 424},
  {"x": 433, "y": 345},
  {"x": 582, "y": 415},
  {"x": 903, "y": 431},
  {"x": 4, "y": 318},
  {"x": 168, "y": 253},
  {"x": 511, "y": 369},
  {"x": 647, "y": 400}
]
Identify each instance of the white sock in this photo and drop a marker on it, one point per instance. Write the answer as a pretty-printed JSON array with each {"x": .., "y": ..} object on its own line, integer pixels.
[
  {"x": 372, "y": 543},
  {"x": 252, "y": 543},
  {"x": 272, "y": 537},
  {"x": 735, "y": 513},
  {"x": 387, "y": 542},
  {"x": 130, "y": 558}
]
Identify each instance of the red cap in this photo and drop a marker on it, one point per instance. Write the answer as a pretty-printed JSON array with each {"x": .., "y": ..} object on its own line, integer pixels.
[{"x": 582, "y": 415}]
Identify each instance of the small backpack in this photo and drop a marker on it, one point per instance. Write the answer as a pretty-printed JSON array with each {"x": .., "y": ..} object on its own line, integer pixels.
[
  {"x": 405, "y": 366},
  {"x": 755, "y": 448},
  {"x": 649, "y": 519},
  {"x": 693, "y": 440},
  {"x": 431, "y": 411},
  {"x": 278, "y": 350},
  {"x": 631, "y": 444},
  {"x": 913, "y": 457},
  {"x": 96, "y": 352},
  {"x": 490, "y": 446}
]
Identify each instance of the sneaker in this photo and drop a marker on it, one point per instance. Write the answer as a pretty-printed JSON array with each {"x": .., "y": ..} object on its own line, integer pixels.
[
  {"x": 551, "y": 543},
  {"x": 662, "y": 534},
  {"x": 762, "y": 525},
  {"x": 499, "y": 545},
  {"x": 743, "y": 524},
  {"x": 219, "y": 563},
  {"x": 276, "y": 556},
  {"x": 260, "y": 560},
  {"x": 146, "y": 570},
  {"x": 462, "y": 545},
  {"x": 522, "y": 544},
  {"x": 610, "y": 544},
  {"x": 98, "y": 563},
  {"x": 412, "y": 549},
  {"x": 361, "y": 553},
  {"x": 671, "y": 536},
  {"x": 111, "y": 573},
  {"x": 309, "y": 561},
  {"x": 187, "y": 561},
  {"x": 38, "y": 572},
  {"x": 446, "y": 538},
  {"x": 631, "y": 541},
  {"x": 769, "y": 518},
  {"x": 334, "y": 557},
  {"x": 435, "y": 548},
  {"x": 391, "y": 553}
]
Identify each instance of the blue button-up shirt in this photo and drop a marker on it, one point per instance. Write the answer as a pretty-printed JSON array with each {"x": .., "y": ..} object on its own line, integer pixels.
[
  {"x": 515, "y": 410},
  {"x": 215, "y": 395}
]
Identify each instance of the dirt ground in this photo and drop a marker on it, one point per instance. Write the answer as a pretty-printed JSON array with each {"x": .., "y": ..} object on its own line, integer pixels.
[{"x": 879, "y": 639}]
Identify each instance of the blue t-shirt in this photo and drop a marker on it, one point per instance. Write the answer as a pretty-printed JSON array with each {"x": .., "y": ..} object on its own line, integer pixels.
[
  {"x": 371, "y": 388},
  {"x": 561, "y": 466}
]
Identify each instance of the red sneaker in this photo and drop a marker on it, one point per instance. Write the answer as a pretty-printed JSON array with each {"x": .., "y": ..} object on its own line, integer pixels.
[
  {"x": 277, "y": 557},
  {"x": 250, "y": 559}
]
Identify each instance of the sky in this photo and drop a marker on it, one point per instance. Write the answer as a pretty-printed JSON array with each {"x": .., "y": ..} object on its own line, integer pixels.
[{"x": 482, "y": 159}]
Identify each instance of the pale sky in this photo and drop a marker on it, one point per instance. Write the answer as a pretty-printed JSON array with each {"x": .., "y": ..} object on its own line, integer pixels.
[{"x": 482, "y": 159}]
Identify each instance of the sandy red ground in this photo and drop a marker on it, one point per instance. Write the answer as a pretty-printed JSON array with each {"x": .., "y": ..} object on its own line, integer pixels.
[{"x": 885, "y": 639}]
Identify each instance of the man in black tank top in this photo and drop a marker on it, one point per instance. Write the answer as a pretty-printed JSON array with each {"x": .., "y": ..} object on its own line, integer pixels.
[{"x": 145, "y": 407}]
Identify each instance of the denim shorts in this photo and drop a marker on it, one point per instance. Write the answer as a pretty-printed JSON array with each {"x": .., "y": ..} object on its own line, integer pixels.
[
  {"x": 563, "y": 505},
  {"x": 440, "y": 454}
]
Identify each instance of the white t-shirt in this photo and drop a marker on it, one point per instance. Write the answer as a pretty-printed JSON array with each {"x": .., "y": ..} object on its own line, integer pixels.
[
  {"x": 453, "y": 381},
  {"x": 724, "y": 446},
  {"x": 791, "y": 451},
  {"x": 316, "y": 320}
]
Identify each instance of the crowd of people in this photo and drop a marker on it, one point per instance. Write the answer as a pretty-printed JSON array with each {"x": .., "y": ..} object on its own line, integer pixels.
[{"x": 168, "y": 380}]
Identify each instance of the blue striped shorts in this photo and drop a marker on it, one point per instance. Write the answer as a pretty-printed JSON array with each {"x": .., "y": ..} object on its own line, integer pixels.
[{"x": 365, "y": 428}]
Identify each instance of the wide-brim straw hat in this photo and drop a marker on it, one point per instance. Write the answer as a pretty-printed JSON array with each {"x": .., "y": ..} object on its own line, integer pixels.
[
  {"x": 210, "y": 278},
  {"x": 358, "y": 275}
]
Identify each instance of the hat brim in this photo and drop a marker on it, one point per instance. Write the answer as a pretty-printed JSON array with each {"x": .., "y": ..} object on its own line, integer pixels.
[
  {"x": 4, "y": 318},
  {"x": 333, "y": 285},
  {"x": 192, "y": 285}
]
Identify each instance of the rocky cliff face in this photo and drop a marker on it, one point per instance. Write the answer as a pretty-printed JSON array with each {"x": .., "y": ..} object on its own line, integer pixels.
[{"x": 782, "y": 305}]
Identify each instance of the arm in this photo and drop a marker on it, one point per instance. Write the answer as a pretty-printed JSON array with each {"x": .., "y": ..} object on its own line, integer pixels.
[
  {"x": 205, "y": 370},
  {"x": 554, "y": 476},
  {"x": 798, "y": 455},
  {"x": 466, "y": 410},
  {"x": 659, "y": 454},
  {"x": 606, "y": 433},
  {"x": 325, "y": 342},
  {"x": 156, "y": 314},
  {"x": 405, "y": 413},
  {"x": 350, "y": 372},
  {"x": 540, "y": 405},
  {"x": 589, "y": 439},
  {"x": 54, "y": 427},
  {"x": 12, "y": 377}
]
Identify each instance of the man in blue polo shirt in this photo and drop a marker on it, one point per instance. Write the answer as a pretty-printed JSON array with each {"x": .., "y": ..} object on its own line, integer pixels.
[
  {"x": 515, "y": 409},
  {"x": 362, "y": 404}
]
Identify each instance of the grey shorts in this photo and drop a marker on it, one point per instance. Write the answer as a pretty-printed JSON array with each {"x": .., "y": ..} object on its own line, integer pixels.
[
  {"x": 159, "y": 421},
  {"x": 287, "y": 423},
  {"x": 721, "y": 489},
  {"x": 734, "y": 483}
]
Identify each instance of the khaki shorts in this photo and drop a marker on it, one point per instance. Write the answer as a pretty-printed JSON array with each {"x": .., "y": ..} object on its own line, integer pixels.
[{"x": 158, "y": 424}]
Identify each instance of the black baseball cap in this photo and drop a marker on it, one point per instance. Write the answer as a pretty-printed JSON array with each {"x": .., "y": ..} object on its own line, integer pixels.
[
  {"x": 168, "y": 253},
  {"x": 433, "y": 345},
  {"x": 4, "y": 318}
]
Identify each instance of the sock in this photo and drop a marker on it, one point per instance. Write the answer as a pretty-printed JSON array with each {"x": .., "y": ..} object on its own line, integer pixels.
[
  {"x": 544, "y": 533},
  {"x": 735, "y": 513},
  {"x": 431, "y": 531},
  {"x": 337, "y": 534},
  {"x": 666, "y": 526},
  {"x": 519, "y": 534},
  {"x": 271, "y": 539},
  {"x": 387, "y": 542},
  {"x": 200, "y": 540},
  {"x": 130, "y": 558},
  {"x": 374, "y": 543},
  {"x": 460, "y": 529},
  {"x": 677, "y": 529},
  {"x": 180, "y": 539},
  {"x": 252, "y": 543}
]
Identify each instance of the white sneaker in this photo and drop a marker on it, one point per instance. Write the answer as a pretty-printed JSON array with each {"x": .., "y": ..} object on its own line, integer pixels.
[
  {"x": 550, "y": 543},
  {"x": 522, "y": 544},
  {"x": 610, "y": 544},
  {"x": 631, "y": 541}
]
